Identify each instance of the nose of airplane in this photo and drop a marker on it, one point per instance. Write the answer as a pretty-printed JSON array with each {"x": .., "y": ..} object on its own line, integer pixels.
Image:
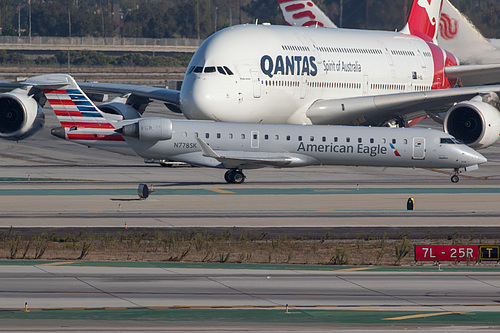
[
  {"x": 480, "y": 158},
  {"x": 474, "y": 156},
  {"x": 194, "y": 99}
]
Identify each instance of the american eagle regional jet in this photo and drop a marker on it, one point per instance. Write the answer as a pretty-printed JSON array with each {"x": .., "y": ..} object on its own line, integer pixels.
[
  {"x": 239, "y": 146},
  {"x": 295, "y": 75}
]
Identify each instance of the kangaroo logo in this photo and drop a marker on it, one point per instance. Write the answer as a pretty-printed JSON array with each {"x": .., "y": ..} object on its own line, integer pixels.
[{"x": 426, "y": 4}]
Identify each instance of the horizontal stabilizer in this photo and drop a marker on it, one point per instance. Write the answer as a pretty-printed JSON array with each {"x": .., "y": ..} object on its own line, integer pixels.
[{"x": 474, "y": 74}]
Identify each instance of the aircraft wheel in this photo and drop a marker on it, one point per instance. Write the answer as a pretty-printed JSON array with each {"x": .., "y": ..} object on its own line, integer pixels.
[
  {"x": 228, "y": 176},
  {"x": 238, "y": 177},
  {"x": 455, "y": 179}
]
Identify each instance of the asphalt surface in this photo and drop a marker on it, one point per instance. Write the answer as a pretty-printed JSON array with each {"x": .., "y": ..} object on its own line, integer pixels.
[
  {"x": 59, "y": 295},
  {"x": 46, "y": 182}
]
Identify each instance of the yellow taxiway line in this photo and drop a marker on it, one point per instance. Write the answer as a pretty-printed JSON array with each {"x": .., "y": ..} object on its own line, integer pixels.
[
  {"x": 57, "y": 263},
  {"x": 424, "y": 315},
  {"x": 219, "y": 191}
]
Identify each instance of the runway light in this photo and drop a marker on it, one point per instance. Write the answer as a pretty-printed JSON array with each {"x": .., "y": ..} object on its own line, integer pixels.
[
  {"x": 26, "y": 307},
  {"x": 119, "y": 207},
  {"x": 287, "y": 308},
  {"x": 29, "y": 177},
  {"x": 125, "y": 225}
]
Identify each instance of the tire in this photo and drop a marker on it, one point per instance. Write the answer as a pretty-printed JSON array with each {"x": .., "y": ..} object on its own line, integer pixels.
[
  {"x": 238, "y": 177},
  {"x": 455, "y": 179},
  {"x": 228, "y": 176}
]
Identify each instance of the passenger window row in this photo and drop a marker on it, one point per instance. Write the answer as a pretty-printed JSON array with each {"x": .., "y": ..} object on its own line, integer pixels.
[
  {"x": 405, "y": 53},
  {"x": 348, "y": 50},
  {"x": 341, "y": 85},
  {"x": 312, "y": 138},
  {"x": 279, "y": 83},
  {"x": 294, "y": 48},
  {"x": 387, "y": 86}
]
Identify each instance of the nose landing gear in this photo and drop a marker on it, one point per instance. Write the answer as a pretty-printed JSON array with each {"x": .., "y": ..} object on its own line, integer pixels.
[
  {"x": 234, "y": 176},
  {"x": 454, "y": 177}
]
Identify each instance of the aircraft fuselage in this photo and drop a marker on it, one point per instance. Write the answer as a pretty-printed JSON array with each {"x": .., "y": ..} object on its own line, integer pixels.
[{"x": 272, "y": 74}]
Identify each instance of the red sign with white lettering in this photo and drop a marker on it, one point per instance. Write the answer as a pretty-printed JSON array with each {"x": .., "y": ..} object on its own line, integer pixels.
[{"x": 446, "y": 252}]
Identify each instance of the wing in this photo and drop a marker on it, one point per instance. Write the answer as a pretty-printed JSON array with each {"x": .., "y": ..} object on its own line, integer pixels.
[
  {"x": 245, "y": 160},
  {"x": 378, "y": 110},
  {"x": 170, "y": 97}
]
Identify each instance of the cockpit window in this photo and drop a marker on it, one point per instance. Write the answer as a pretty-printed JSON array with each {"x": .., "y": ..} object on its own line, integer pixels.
[
  {"x": 228, "y": 71},
  {"x": 451, "y": 141},
  {"x": 191, "y": 69},
  {"x": 198, "y": 69},
  {"x": 209, "y": 69},
  {"x": 221, "y": 70}
]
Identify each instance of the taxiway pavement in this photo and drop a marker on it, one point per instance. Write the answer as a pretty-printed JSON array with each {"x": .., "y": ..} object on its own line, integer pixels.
[{"x": 45, "y": 181}]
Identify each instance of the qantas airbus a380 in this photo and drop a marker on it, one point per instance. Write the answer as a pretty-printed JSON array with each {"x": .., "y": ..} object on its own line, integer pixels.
[{"x": 296, "y": 75}]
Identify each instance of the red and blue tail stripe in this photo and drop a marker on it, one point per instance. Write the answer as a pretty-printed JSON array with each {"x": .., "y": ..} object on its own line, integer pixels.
[{"x": 75, "y": 112}]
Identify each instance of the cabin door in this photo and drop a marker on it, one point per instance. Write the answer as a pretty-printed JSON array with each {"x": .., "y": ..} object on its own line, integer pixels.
[
  {"x": 255, "y": 139},
  {"x": 418, "y": 149},
  {"x": 256, "y": 83}
]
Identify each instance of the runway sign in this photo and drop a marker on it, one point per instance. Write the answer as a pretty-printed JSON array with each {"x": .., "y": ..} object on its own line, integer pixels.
[
  {"x": 446, "y": 252},
  {"x": 490, "y": 252}
]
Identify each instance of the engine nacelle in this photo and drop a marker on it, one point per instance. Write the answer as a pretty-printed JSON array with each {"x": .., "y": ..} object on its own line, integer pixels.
[
  {"x": 474, "y": 122},
  {"x": 20, "y": 115},
  {"x": 149, "y": 129},
  {"x": 117, "y": 106}
]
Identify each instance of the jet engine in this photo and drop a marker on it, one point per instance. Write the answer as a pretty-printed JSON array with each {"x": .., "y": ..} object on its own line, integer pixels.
[
  {"x": 120, "y": 106},
  {"x": 149, "y": 129},
  {"x": 475, "y": 122},
  {"x": 20, "y": 115}
]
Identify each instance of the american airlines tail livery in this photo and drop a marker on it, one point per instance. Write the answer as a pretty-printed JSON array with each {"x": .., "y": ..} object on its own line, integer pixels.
[
  {"x": 239, "y": 146},
  {"x": 312, "y": 75}
]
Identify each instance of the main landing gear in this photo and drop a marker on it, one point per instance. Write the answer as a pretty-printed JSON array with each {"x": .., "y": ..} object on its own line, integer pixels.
[
  {"x": 234, "y": 176},
  {"x": 454, "y": 177}
]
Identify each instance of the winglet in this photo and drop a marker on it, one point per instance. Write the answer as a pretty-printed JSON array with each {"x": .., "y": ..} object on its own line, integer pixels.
[
  {"x": 423, "y": 20},
  {"x": 49, "y": 81}
]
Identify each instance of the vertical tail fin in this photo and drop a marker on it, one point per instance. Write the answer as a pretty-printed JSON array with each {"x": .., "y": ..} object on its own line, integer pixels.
[
  {"x": 304, "y": 13},
  {"x": 70, "y": 104},
  {"x": 79, "y": 117},
  {"x": 423, "y": 20}
]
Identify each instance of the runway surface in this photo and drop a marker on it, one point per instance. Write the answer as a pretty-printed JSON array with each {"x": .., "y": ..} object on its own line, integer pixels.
[
  {"x": 166, "y": 292},
  {"x": 45, "y": 181}
]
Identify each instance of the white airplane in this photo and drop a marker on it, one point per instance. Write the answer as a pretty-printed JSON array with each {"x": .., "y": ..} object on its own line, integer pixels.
[
  {"x": 239, "y": 146},
  {"x": 456, "y": 31},
  {"x": 457, "y": 35},
  {"x": 295, "y": 75}
]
